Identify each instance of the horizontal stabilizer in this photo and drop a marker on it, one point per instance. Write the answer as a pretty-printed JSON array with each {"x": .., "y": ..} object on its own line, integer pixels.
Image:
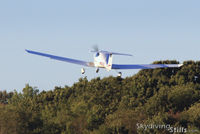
[{"x": 114, "y": 53}]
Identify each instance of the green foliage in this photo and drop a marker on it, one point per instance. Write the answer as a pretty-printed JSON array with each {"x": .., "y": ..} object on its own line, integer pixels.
[
  {"x": 124, "y": 121},
  {"x": 110, "y": 105},
  {"x": 182, "y": 97},
  {"x": 4, "y": 96}
]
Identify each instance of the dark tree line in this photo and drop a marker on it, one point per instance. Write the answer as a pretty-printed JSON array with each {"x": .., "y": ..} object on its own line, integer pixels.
[{"x": 110, "y": 105}]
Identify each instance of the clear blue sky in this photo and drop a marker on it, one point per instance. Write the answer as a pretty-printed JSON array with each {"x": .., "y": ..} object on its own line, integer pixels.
[{"x": 149, "y": 29}]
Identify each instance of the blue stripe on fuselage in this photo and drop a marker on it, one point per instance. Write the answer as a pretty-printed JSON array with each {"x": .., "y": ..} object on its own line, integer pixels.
[{"x": 107, "y": 58}]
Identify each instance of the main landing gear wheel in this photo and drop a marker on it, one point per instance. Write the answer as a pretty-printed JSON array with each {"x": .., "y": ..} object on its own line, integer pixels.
[
  {"x": 97, "y": 70},
  {"x": 119, "y": 74},
  {"x": 82, "y": 70}
]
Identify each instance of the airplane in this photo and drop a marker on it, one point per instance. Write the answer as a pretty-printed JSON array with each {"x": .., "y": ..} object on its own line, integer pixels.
[{"x": 103, "y": 59}]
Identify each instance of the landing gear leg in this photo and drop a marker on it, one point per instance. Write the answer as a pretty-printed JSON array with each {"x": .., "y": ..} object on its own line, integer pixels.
[
  {"x": 97, "y": 70},
  {"x": 82, "y": 70}
]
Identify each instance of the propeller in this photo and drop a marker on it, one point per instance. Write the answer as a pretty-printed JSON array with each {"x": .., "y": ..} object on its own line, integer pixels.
[{"x": 95, "y": 48}]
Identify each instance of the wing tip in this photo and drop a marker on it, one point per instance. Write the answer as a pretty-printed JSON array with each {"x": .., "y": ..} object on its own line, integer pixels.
[
  {"x": 180, "y": 65},
  {"x": 129, "y": 55},
  {"x": 27, "y": 50}
]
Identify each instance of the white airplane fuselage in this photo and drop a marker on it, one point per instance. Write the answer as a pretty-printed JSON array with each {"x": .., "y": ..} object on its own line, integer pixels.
[{"x": 103, "y": 60}]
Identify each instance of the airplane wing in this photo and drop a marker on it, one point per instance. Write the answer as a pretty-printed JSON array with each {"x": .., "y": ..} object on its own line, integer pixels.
[
  {"x": 145, "y": 66},
  {"x": 74, "y": 61}
]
